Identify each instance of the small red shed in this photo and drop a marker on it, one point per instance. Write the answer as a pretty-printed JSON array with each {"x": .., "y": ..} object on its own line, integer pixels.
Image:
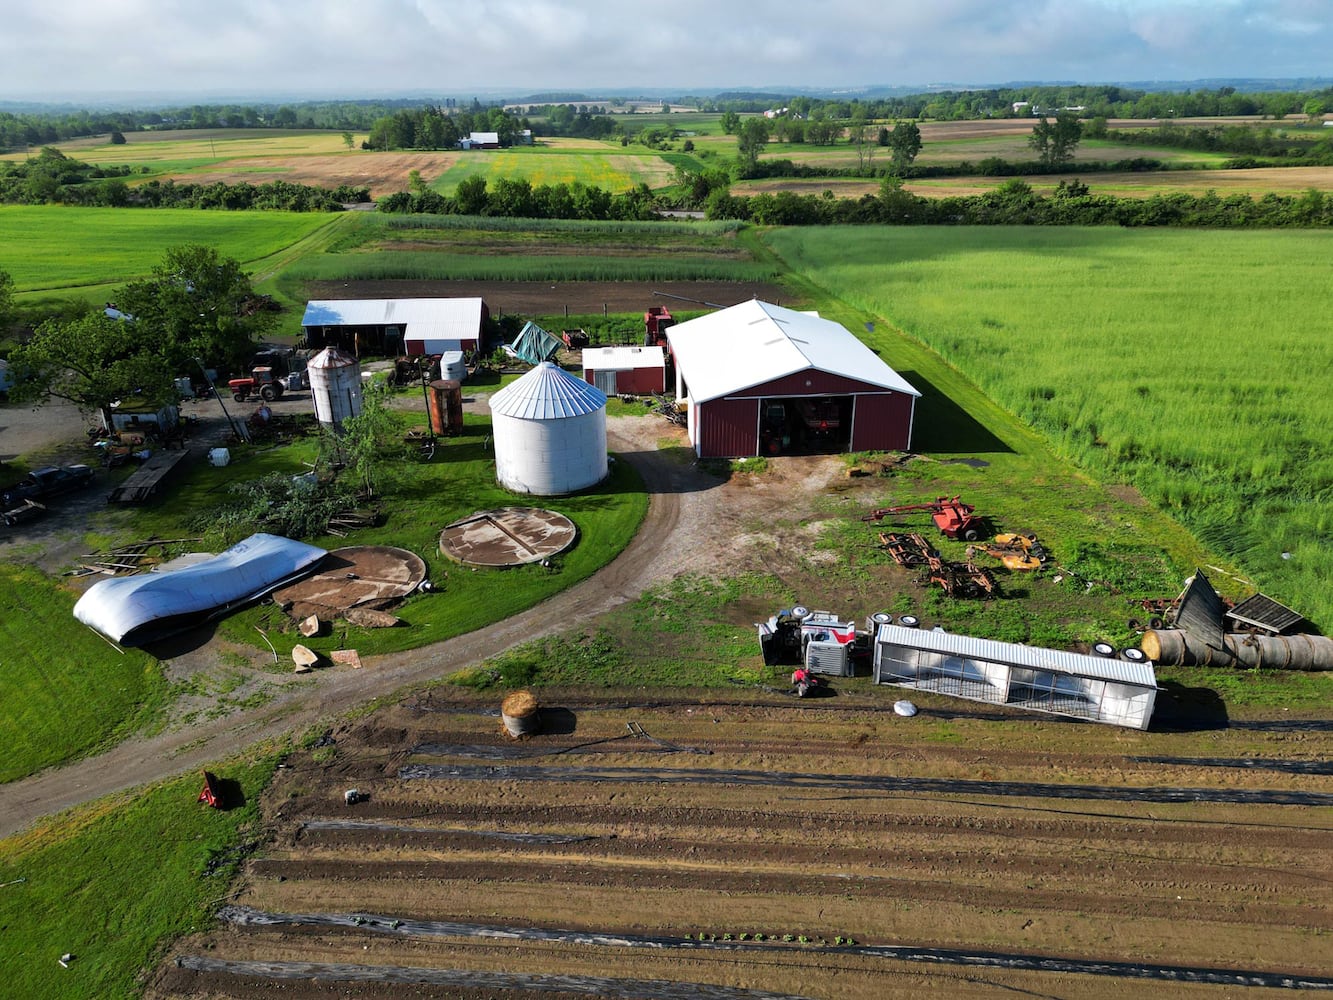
[{"x": 639, "y": 371}]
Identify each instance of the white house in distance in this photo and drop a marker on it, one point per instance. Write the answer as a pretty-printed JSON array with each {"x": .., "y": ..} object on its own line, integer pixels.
[
  {"x": 758, "y": 379},
  {"x": 395, "y": 326}
]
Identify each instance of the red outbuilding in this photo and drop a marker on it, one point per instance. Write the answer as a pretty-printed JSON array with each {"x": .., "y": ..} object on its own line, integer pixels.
[
  {"x": 638, "y": 371},
  {"x": 758, "y": 379}
]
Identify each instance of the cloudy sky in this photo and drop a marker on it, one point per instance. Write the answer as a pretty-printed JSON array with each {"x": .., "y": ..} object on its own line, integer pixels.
[{"x": 58, "y": 49}]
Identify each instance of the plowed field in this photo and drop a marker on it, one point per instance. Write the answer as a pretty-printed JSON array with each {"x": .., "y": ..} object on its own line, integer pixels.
[{"x": 759, "y": 846}]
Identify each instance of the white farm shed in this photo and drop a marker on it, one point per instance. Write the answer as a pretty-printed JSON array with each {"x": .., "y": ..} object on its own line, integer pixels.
[
  {"x": 1098, "y": 689},
  {"x": 636, "y": 370},
  {"x": 395, "y": 326},
  {"x": 550, "y": 433}
]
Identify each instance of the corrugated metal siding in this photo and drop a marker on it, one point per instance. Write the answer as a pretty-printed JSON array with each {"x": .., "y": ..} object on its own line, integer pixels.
[
  {"x": 728, "y": 428},
  {"x": 882, "y": 422},
  {"x": 641, "y": 381}
]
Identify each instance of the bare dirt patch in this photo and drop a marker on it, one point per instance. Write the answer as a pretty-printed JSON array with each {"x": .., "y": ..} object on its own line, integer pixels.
[
  {"x": 754, "y": 842},
  {"x": 382, "y": 173}
]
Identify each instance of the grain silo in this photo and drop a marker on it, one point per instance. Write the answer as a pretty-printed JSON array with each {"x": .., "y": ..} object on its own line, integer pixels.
[
  {"x": 335, "y": 385},
  {"x": 550, "y": 433}
]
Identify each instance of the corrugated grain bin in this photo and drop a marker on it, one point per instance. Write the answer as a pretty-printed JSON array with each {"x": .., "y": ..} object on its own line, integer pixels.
[{"x": 550, "y": 433}]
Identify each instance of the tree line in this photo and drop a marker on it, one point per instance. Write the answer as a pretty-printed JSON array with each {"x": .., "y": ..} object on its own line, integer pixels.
[{"x": 51, "y": 177}]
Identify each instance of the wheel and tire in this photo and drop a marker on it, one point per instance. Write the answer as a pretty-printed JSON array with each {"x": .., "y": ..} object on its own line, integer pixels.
[
  {"x": 268, "y": 394},
  {"x": 971, "y": 535},
  {"x": 238, "y": 396},
  {"x": 1103, "y": 649}
]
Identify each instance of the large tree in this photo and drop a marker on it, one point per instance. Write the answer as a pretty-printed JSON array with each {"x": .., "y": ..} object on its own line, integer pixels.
[
  {"x": 753, "y": 139},
  {"x": 904, "y": 144},
  {"x": 1056, "y": 141},
  {"x": 197, "y": 304},
  {"x": 92, "y": 361}
]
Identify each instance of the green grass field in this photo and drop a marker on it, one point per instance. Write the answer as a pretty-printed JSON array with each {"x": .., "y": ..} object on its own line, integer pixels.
[
  {"x": 51, "y": 247},
  {"x": 111, "y": 881},
  {"x": 68, "y": 698},
  {"x": 613, "y": 171},
  {"x": 1192, "y": 365}
]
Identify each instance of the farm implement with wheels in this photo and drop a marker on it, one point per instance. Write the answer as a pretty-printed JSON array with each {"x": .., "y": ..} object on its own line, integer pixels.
[
  {"x": 956, "y": 579},
  {"x": 954, "y": 518},
  {"x": 1017, "y": 552}
]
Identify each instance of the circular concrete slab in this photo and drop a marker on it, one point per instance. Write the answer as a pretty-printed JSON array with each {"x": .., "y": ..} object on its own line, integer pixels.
[
  {"x": 509, "y": 536},
  {"x": 362, "y": 576}
]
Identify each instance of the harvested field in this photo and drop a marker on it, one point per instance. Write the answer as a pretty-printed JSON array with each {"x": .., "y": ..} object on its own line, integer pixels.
[
  {"x": 383, "y": 173},
  {"x": 752, "y": 846},
  {"x": 540, "y": 298}
]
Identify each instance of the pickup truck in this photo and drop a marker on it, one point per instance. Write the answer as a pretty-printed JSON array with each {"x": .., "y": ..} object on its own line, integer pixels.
[{"x": 49, "y": 481}]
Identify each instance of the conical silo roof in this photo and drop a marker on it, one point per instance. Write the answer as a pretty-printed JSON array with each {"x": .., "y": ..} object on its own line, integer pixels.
[
  {"x": 331, "y": 357},
  {"x": 548, "y": 392}
]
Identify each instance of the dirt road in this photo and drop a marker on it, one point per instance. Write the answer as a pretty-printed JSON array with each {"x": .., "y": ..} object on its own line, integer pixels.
[{"x": 688, "y": 509}]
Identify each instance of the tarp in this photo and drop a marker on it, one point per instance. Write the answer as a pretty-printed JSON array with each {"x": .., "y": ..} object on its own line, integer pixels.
[
  {"x": 534, "y": 345},
  {"x": 134, "y": 610}
]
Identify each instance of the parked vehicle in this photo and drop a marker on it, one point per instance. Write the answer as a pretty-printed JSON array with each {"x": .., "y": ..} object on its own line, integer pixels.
[
  {"x": 262, "y": 383},
  {"x": 49, "y": 481}
]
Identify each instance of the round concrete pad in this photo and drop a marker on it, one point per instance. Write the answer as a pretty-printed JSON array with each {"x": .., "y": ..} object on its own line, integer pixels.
[
  {"x": 510, "y": 536},
  {"x": 363, "y": 576}
]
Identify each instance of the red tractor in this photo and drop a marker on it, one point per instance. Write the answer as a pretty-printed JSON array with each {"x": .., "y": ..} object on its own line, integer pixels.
[
  {"x": 262, "y": 383},
  {"x": 954, "y": 518}
]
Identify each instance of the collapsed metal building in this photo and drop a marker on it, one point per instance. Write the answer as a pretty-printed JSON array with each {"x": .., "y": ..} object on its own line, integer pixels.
[{"x": 1118, "y": 692}]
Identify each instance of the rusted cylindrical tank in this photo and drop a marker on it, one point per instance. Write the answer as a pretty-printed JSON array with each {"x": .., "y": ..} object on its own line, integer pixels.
[
  {"x": 446, "y": 406},
  {"x": 1176, "y": 647}
]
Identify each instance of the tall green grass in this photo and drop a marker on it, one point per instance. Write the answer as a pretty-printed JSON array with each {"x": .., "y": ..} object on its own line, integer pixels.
[
  {"x": 425, "y": 265},
  {"x": 1194, "y": 365},
  {"x": 50, "y": 247},
  {"x": 63, "y": 699}
]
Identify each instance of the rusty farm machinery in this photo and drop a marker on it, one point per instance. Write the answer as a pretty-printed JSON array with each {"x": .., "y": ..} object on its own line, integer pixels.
[{"x": 957, "y": 579}]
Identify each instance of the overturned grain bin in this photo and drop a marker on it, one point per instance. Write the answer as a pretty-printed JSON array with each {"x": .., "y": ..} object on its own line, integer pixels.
[
  {"x": 1178, "y": 647},
  {"x": 550, "y": 433}
]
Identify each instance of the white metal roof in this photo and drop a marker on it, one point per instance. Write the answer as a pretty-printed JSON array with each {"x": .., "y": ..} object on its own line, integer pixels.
[
  {"x": 1011, "y": 653},
  {"x": 622, "y": 358},
  {"x": 756, "y": 342},
  {"x": 331, "y": 357},
  {"x": 420, "y": 319},
  {"x": 548, "y": 392}
]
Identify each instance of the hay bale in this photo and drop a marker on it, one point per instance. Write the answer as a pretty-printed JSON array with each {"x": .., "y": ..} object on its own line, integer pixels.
[{"x": 521, "y": 714}]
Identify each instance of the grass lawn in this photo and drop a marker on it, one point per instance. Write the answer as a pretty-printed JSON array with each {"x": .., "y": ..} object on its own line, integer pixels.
[
  {"x": 1161, "y": 358},
  {"x": 55, "y": 247},
  {"x": 111, "y": 882},
  {"x": 68, "y": 698},
  {"x": 418, "y": 500}
]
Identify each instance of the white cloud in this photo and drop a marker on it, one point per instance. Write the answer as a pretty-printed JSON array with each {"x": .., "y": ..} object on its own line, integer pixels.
[{"x": 346, "y": 48}]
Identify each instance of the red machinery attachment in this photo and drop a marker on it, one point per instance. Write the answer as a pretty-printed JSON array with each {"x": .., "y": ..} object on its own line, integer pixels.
[{"x": 954, "y": 518}]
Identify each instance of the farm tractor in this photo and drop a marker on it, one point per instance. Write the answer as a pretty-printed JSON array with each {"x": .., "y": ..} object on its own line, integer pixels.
[
  {"x": 262, "y": 383},
  {"x": 954, "y": 518}
]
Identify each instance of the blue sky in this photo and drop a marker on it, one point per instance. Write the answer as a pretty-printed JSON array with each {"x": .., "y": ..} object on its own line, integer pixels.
[{"x": 346, "y": 48}]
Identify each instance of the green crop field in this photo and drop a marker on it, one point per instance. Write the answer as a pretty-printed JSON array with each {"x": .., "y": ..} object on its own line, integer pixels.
[
  {"x": 190, "y": 145},
  {"x": 49, "y": 247},
  {"x": 1192, "y": 365},
  {"x": 614, "y": 171}
]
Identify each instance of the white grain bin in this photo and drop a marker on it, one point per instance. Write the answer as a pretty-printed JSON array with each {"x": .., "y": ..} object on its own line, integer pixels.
[
  {"x": 550, "y": 433},
  {"x": 335, "y": 386}
]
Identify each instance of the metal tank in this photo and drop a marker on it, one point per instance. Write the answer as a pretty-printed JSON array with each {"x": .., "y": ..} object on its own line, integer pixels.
[
  {"x": 335, "y": 386},
  {"x": 550, "y": 433}
]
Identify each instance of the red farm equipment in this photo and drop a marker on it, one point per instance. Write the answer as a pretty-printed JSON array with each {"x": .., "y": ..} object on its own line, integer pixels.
[
  {"x": 262, "y": 383},
  {"x": 656, "y": 321},
  {"x": 954, "y": 518}
]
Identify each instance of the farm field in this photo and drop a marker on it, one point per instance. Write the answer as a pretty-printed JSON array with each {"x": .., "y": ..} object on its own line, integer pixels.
[
  {"x": 1255, "y": 182},
  {"x": 51, "y": 247},
  {"x": 1184, "y": 363},
  {"x": 596, "y": 166},
  {"x": 749, "y": 842}
]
